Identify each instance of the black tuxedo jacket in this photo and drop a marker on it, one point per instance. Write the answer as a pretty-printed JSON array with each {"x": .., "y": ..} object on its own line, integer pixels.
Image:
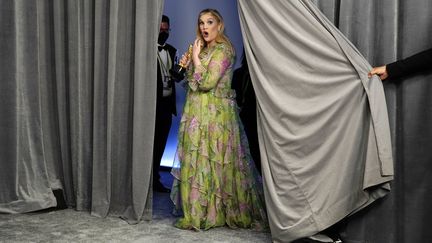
[
  {"x": 172, "y": 98},
  {"x": 417, "y": 63}
]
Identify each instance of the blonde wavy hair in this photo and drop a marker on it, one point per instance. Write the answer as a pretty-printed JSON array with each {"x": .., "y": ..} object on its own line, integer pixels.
[{"x": 221, "y": 37}]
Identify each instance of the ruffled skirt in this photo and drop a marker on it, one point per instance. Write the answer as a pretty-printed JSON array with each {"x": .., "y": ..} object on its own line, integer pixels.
[{"x": 215, "y": 180}]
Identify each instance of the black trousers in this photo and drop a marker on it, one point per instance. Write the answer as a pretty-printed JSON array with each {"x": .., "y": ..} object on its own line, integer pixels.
[{"x": 163, "y": 126}]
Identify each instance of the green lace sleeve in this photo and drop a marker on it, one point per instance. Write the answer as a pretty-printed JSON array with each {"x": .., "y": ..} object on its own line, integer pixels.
[{"x": 205, "y": 77}]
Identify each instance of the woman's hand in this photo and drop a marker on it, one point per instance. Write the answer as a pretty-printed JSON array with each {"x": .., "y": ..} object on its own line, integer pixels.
[
  {"x": 185, "y": 60},
  {"x": 197, "y": 46}
]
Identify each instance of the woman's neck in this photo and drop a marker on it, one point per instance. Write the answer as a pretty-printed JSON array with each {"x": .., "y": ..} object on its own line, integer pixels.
[{"x": 211, "y": 43}]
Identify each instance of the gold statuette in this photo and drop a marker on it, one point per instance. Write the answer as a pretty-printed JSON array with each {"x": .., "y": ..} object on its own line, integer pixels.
[{"x": 178, "y": 70}]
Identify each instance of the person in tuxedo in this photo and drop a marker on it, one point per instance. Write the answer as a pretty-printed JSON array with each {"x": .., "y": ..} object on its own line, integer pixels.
[
  {"x": 166, "y": 100},
  {"x": 416, "y": 63}
]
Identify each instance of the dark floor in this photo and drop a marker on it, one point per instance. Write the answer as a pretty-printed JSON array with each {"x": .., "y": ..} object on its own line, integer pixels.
[{"x": 69, "y": 225}]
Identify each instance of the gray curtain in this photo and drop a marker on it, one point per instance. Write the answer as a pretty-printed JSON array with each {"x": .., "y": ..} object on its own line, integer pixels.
[
  {"x": 323, "y": 124},
  {"x": 385, "y": 31},
  {"x": 382, "y": 31},
  {"x": 78, "y": 86}
]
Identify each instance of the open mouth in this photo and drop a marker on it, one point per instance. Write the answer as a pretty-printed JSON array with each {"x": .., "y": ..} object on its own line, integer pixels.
[{"x": 205, "y": 34}]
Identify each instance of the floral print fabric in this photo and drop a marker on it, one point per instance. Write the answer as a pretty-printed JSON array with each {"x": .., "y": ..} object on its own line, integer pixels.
[{"x": 216, "y": 183}]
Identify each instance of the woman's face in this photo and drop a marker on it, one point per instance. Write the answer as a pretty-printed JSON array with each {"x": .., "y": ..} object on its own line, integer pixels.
[{"x": 209, "y": 28}]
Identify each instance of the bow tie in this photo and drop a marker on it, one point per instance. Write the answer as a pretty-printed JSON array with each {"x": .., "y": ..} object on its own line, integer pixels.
[{"x": 164, "y": 47}]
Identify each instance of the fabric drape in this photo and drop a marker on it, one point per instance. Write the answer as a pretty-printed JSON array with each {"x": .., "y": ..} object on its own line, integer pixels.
[
  {"x": 323, "y": 124},
  {"x": 78, "y": 79},
  {"x": 46, "y": 138},
  {"x": 24, "y": 180},
  {"x": 385, "y": 31}
]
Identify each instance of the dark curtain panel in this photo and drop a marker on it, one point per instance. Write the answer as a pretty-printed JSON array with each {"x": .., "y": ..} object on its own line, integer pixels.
[
  {"x": 78, "y": 88},
  {"x": 385, "y": 31}
]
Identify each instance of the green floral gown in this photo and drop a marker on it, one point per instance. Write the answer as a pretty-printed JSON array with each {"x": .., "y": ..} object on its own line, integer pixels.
[{"x": 216, "y": 183}]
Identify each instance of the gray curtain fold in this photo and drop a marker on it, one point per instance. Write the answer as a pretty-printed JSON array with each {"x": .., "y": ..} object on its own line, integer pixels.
[
  {"x": 79, "y": 84},
  {"x": 330, "y": 8},
  {"x": 323, "y": 124},
  {"x": 385, "y": 31},
  {"x": 24, "y": 180},
  {"x": 78, "y": 88}
]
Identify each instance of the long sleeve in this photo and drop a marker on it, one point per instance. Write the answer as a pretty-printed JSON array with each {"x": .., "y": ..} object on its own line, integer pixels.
[
  {"x": 207, "y": 76},
  {"x": 419, "y": 62}
]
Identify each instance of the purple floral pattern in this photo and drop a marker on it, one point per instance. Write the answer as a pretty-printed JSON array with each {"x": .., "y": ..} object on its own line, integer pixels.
[{"x": 216, "y": 183}]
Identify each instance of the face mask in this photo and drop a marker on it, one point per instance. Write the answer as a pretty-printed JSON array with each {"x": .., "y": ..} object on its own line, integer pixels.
[{"x": 163, "y": 36}]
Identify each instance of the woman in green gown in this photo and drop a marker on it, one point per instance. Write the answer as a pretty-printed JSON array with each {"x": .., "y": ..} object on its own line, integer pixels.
[{"x": 216, "y": 183}]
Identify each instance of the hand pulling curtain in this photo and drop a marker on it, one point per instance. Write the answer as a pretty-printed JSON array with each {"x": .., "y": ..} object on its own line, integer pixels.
[{"x": 323, "y": 125}]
